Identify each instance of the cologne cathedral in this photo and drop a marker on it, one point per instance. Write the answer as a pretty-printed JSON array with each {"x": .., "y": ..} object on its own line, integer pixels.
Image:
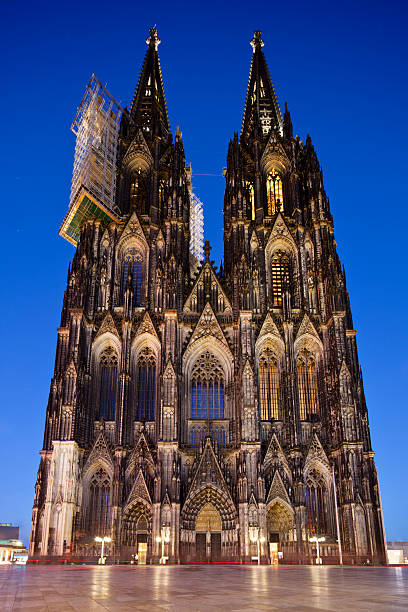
[{"x": 197, "y": 414}]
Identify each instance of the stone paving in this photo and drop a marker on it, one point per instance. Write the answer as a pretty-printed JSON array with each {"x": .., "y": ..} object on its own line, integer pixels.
[{"x": 203, "y": 588}]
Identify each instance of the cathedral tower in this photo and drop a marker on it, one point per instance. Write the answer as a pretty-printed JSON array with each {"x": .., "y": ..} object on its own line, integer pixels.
[{"x": 199, "y": 415}]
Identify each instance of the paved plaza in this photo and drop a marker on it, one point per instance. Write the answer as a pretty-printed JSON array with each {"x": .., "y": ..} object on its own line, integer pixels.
[{"x": 203, "y": 588}]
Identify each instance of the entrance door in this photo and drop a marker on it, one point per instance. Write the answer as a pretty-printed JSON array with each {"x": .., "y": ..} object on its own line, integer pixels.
[
  {"x": 142, "y": 553},
  {"x": 201, "y": 547},
  {"x": 215, "y": 547},
  {"x": 273, "y": 553}
]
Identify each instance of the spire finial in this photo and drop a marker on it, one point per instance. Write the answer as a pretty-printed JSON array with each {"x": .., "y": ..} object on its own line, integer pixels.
[
  {"x": 257, "y": 40},
  {"x": 207, "y": 250},
  {"x": 153, "y": 40}
]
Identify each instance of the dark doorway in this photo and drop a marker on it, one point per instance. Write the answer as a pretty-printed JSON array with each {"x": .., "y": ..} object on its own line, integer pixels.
[
  {"x": 201, "y": 547},
  {"x": 215, "y": 547}
]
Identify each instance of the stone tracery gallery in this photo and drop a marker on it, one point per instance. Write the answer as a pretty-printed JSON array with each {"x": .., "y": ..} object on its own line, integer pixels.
[{"x": 196, "y": 414}]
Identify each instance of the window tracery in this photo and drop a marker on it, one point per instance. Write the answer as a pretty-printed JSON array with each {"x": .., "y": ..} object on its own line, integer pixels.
[
  {"x": 138, "y": 193},
  {"x": 251, "y": 198},
  {"x": 99, "y": 503},
  {"x": 316, "y": 503},
  {"x": 146, "y": 386},
  {"x": 207, "y": 388},
  {"x": 109, "y": 378},
  {"x": 269, "y": 386},
  {"x": 132, "y": 272},
  {"x": 307, "y": 384},
  {"x": 274, "y": 193},
  {"x": 280, "y": 274}
]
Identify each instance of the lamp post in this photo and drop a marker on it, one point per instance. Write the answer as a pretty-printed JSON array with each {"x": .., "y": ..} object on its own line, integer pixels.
[
  {"x": 102, "y": 541},
  {"x": 164, "y": 539},
  {"x": 317, "y": 540},
  {"x": 259, "y": 541}
]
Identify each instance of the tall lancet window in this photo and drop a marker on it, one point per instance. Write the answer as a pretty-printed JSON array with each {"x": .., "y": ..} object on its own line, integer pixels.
[
  {"x": 316, "y": 504},
  {"x": 274, "y": 193},
  {"x": 138, "y": 193},
  {"x": 99, "y": 503},
  {"x": 146, "y": 386},
  {"x": 132, "y": 273},
  {"x": 207, "y": 392},
  {"x": 269, "y": 386},
  {"x": 307, "y": 384},
  {"x": 251, "y": 198},
  {"x": 109, "y": 382},
  {"x": 280, "y": 274}
]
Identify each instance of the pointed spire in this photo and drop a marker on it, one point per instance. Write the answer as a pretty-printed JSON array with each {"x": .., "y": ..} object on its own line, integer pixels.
[
  {"x": 287, "y": 124},
  {"x": 149, "y": 110},
  {"x": 261, "y": 110}
]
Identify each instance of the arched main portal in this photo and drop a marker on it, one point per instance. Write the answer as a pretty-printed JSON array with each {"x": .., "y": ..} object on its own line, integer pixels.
[
  {"x": 136, "y": 533},
  {"x": 208, "y": 534},
  {"x": 280, "y": 525},
  {"x": 209, "y": 527}
]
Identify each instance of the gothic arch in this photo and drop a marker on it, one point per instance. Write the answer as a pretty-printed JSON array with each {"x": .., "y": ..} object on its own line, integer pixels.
[
  {"x": 214, "y": 346},
  {"x": 279, "y": 516},
  {"x": 218, "y": 499},
  {"x": 106, "y": 350},
  {"x": 96, "y": 497},
  {"x": 136, "y": 524}
]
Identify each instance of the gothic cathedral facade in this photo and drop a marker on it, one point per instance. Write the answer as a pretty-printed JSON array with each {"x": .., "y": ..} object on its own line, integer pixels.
[{"x": 198, "y": 414}]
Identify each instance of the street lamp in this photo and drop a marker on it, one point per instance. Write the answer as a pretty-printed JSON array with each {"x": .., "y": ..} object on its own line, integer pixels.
[
  {"x": 258, "y": 541},
  {"x": 163, "y": 539},
  {"x": 102, "y": 541},
  {"x": 317, "y": 540}
]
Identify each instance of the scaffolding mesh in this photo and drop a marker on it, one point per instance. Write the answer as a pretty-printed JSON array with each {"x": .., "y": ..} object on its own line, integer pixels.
[
  {"x": 96, "y": 126},
  {"x": 196, "y": 227}
]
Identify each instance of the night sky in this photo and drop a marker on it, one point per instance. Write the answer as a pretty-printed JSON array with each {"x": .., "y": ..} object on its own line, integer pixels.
[{"x": 341, "y": 67}]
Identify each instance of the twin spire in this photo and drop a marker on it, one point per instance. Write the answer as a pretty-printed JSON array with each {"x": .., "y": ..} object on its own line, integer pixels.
[
  {"x": 261, "y": 111},
  {"x": 149, "y": 109}
]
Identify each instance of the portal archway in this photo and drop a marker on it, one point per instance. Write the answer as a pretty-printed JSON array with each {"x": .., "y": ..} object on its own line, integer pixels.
[
  {"x": 280, "y": 525},
  {"x": 209, "y": 526},
  {"x": 136, "y": 532}
]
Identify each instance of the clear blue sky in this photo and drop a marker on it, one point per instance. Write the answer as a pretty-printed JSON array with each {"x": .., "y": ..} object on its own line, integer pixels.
[{"x": 342, "y": 68}]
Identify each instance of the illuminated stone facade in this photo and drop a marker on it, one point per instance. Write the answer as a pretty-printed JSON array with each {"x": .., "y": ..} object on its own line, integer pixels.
[{"x": 198, "y": 414}]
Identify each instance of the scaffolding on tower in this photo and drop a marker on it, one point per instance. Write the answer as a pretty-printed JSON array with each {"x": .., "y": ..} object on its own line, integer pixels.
[
  {"x": 96, "y": 127},
  {"x": 196, "y": 227}
]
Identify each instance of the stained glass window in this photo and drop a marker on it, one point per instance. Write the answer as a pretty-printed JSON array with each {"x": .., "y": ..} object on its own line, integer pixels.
[
  {"x": 274, "y": 193},
  {"x": 132, "y": 271},
  {"x": 109, "y": 379},
  {"x": 269, "y": 386},
  {"x": 316, "y": 504},
  {"x": 207, "y": 394},
  {"x": 99, "y": 503},
  {"x": 307, "y": 384},
  {"x": 280, "y": 272},
  {"x": 251, "y": 198},
  {"x": 146, "y": 386}
]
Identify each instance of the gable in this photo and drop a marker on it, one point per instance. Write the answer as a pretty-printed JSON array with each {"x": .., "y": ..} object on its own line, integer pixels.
[
  {"x": 269, "y": 329},
  {"x": 205, "y": 282},
  {"x": 100, "y": 452},
  {"x": 208, "y": 326},
  {"x": 133, "y": 228},
  {"x": 107, "y": 325},
  {"x": 277, "y": 489},
  {"x": 308, "y": 329},
  {"x": 208, "y": 472},
  {"x": 275, "y": 455},
  {"x": 316, "y": 454},
  {"x": 139, "y": 490},
  {"x": 146, "y": 326},
  {"x": 280, "y": 236}
]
